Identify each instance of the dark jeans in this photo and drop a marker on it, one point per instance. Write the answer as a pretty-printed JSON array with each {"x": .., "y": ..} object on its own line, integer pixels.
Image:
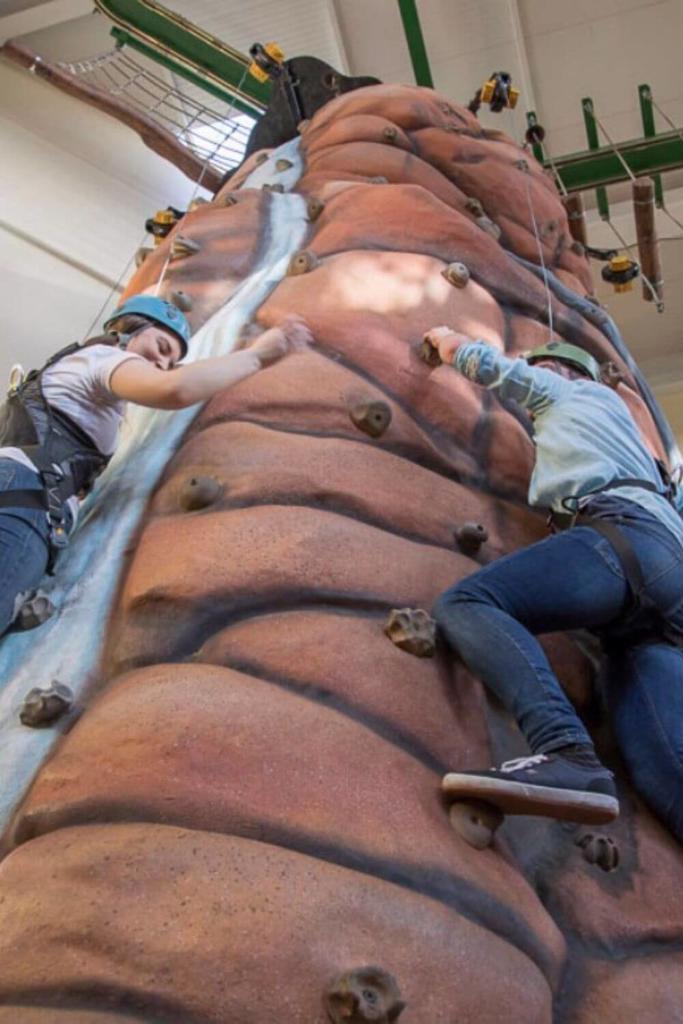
[
  {"x": 23, "y": 541},
  {"x": 574, "y": 580}
]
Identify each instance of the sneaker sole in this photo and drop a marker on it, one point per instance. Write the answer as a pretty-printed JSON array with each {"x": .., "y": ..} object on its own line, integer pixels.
[{"x": 542, "y": 801}]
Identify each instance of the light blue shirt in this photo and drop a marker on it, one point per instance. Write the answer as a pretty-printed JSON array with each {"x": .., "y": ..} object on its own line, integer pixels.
[{"x": 584, "y": 433}]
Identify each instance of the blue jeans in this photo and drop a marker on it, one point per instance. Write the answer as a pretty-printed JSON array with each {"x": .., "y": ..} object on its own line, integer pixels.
[
  {"x": 574, "y": 580},
  {"x": 23, "y": 541}
]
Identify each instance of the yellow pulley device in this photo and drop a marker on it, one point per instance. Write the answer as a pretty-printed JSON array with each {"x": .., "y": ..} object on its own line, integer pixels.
[
  {"x": 266, "y": 61},
  {"x": 621, "y": 272},
  {"x": 161, "y": 223},
  {"x": 498, "y": 92}
]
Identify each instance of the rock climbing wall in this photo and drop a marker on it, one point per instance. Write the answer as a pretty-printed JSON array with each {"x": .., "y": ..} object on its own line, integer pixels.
[{"x": 247, "y": 815}]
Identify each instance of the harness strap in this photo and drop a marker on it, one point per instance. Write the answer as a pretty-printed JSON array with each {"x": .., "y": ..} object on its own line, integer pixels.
[
  {"x": 625, "y": 553},
  {"x": 24, "y": 499}
]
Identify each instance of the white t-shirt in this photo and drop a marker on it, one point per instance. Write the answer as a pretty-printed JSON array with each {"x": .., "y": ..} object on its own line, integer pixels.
[{"x": 78, "y": 385}]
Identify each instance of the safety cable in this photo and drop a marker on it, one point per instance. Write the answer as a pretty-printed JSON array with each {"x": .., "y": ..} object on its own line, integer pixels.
[
  {"x": 614, "y": 148},
  {"x": 115, "y": 288},
  {"x": 523, "y": 166},
  {"x": 665, "y": 116}
]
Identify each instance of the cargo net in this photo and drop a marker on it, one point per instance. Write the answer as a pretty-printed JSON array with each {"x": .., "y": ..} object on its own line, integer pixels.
[{"x": 217, "y": 134}]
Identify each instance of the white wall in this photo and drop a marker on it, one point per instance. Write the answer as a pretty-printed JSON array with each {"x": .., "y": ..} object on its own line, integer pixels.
[{"x": 79, "y": 184}]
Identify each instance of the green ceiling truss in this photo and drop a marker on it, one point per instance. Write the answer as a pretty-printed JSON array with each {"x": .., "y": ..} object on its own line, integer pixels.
[{"x": 208, "y": 62}]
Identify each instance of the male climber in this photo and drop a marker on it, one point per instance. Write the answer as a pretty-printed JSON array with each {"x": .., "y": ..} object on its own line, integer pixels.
[{"x": 618, "y": 571}]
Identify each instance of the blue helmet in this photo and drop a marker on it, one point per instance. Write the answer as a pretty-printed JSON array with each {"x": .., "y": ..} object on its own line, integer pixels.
[{"x": 159, "y": 311}]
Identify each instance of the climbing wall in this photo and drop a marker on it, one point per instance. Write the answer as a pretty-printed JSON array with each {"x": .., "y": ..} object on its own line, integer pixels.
[{"x": 247, "y": 815}]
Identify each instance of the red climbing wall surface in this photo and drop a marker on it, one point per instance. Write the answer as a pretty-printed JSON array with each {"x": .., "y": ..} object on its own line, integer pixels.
[{"x": 249, "y": 806}]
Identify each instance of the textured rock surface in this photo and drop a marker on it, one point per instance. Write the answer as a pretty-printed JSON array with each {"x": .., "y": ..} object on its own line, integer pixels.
[{"x": 249, "y": 806}]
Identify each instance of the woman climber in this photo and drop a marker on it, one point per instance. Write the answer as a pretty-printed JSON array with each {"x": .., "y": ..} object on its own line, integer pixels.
[
  {"x": 59, "y": 425},
  {"x": 618, "y": 572}
]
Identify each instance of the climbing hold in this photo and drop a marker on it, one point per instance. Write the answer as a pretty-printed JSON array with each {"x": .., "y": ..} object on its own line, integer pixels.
[
  {"x": 378, "y": 179},
  {"x": 372, "y": 418},
  {"x": 578, "y": 248},
  {"x": 302, "y": 261},
  {"x": 141, "y": 255},
  {"x": 282, "y": 164},
  {"x": 489, "y": 226},
  {"x": 475, "y": 821},
  {"x": 390, "y": 134},
  {"x": 549, "y": 227},
  {"x": 413, "y": 630},
  {"x": 457, "y": 274},
  {"x": 429, "y": 355},
  {"x": 182, "y": 300},
  {"x": 272, "y": 188},
  {"x": 611, "y": 375},
  {"x": 229, "y": 199},
  {"x": 475, "y": 207},
  {"x": 199, "y": 492},
  {"x": 183, "y": 246},
  {"x": 599, "y": 850},
  {"x": 260, "y": 159},
  {"x": 470, "y": 536},
  {"x": 302, "y": 126},
  {"x": 363, "y": 994},
  {"x": 314, "y": 207},
  {"x": 196, "y": 203},
  {"x": 42, "y": 707},
  {"x": 34, "y": 611}
]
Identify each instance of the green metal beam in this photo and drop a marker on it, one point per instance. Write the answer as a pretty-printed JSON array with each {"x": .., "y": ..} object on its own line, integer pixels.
[
  {"x": 594, "y": 145},
  {"x": 196, "y": 55},
  {"x": 649, "y": 130},
  {"x": 416, "y": 43},
  {"x": 599, "y": 167}
]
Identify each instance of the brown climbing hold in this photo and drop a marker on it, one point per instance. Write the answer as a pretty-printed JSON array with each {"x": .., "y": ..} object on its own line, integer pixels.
[
  {"x": 229, "y": 199},
  {"x": 42, "y": 707},
  {"x": 470, "y": 536},
  {"x": 141, "y": 255},
  {"x": 475, "y": 821},
  {"x": 302, "y": 261},
  {"x": 182, "y": 246},
  {"x": 489, "y": 226},
  {"x": 599, "y": 850},
  {"x": 390, "y": 134},
  {"x": 413, "y": 630},
  {"x": 260, "y": 159},
  {"x": 611, "y": 375},
  {"x": 429, "y": 355},
  {"x": 378, "y": 179},
  {"x": 457, "y": 274},
  {"x": 314, "y": 207},
  {"x": 577, "y": 247},
  {"x": 372, "y": 418},
  {"x": 272, "y": 188},
  {"x": 475, "y": 207},
  {"x": 363, "y": 994},
  {"x": 282, "y": 164},
  {"x": 182, "y": 300},
  {"x": 199, "y": 492},
  {"x": 34, "y": 611}
]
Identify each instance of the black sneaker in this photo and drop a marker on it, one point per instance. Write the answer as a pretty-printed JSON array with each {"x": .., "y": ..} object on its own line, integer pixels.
[{"x": 549, "y": 785}]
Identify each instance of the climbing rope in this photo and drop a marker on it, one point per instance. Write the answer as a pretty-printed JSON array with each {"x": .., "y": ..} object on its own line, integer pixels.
[{"x": 116, "y": 287}]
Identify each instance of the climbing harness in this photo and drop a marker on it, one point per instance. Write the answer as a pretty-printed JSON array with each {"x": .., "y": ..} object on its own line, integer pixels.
[{"x": 65, "y": 458}]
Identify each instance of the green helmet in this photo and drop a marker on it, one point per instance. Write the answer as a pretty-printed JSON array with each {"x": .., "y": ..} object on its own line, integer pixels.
[{"x": 563, "y": 352}]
